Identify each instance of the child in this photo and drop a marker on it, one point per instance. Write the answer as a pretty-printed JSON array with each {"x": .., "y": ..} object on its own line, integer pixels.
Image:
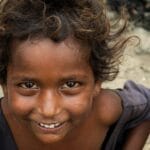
[{"x": 54, "y": 56}]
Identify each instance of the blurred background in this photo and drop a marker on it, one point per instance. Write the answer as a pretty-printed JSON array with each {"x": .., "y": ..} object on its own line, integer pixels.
[{"x": 135, "y": 64}]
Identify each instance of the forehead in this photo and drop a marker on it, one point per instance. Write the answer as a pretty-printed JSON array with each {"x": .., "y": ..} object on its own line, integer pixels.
[
  {"x": 68, "y": 45},
  {"x": 45, "y": 53}
]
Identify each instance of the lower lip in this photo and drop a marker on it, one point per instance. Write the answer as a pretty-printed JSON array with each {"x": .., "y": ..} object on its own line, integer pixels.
[{"x": 55, "y": 130}]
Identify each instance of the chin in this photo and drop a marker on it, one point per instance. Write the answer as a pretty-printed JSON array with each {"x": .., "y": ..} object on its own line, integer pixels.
[{"x": 49, "y": 139}]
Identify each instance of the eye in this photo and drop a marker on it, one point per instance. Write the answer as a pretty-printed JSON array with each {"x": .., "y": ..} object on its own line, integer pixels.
[
  {"x": 28, "y": 85},
  {"x": 71, "y": 84}
]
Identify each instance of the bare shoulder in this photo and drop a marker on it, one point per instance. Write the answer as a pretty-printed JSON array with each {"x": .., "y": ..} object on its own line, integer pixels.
[{"x": 108, "y": 107}]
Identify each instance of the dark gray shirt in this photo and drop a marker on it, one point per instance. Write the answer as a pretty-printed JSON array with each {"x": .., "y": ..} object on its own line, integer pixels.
[{"x": 136, "y": 108}]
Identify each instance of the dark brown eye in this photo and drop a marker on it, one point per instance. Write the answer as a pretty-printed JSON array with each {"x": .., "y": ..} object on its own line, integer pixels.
[
  {"x": 71, "y": 84},
  {"x": 28, "y": 85}
]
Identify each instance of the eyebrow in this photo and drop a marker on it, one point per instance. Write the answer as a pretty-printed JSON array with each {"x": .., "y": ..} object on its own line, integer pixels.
[
  {"x": 75, "y": 77},
  {"x": 63, "y": 78},
  {"x": 23, "y": 78}
]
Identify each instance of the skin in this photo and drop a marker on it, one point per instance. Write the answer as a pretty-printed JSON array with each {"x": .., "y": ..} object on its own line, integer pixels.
[
  {"x": 137, "y": 136},
  {"x": 51, "y": 83}
]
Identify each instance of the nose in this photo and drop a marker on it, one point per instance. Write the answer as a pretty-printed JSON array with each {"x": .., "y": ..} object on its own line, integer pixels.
[{"x": 49, "y": 104}]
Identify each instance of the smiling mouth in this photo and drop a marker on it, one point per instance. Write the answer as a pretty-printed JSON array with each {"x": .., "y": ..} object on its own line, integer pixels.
[{"x": 50, "y": 125}]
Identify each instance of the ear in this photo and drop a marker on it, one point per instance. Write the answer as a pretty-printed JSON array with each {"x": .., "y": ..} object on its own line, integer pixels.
[{"x": 97, "y": 88}]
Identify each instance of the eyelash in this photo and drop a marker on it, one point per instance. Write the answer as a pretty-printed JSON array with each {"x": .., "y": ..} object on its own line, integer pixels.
[
  {"x": 31, "y": 85},
  {"x": 75, "y": 84}
]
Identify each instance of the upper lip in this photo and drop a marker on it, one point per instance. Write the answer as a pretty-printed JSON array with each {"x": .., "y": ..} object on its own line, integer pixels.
[{"x": 50, "y": 122}]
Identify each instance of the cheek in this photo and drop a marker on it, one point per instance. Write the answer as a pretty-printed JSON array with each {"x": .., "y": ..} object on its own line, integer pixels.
[
  {"x": 20, "y": 105},
  {"x": 80, "y": 105}
]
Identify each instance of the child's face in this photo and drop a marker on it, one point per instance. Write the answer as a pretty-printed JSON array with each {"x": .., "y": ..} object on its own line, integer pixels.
[{"x": 50, "y": 88}]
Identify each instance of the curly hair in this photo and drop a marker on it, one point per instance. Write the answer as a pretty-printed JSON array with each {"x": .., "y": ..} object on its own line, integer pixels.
[{"x": 83, "y": 20}]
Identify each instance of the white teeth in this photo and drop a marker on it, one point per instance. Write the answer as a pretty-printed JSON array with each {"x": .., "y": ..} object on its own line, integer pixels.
[
  {"x": 57, "y": 124},
  {"x": 49, "y": 126}
]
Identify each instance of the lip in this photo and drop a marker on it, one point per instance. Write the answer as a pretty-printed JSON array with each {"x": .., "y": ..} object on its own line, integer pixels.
[{"x": 57, "y": 129}]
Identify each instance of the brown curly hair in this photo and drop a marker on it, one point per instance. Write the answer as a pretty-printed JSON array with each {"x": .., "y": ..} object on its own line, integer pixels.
[{"x": 84, "y": 20}]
